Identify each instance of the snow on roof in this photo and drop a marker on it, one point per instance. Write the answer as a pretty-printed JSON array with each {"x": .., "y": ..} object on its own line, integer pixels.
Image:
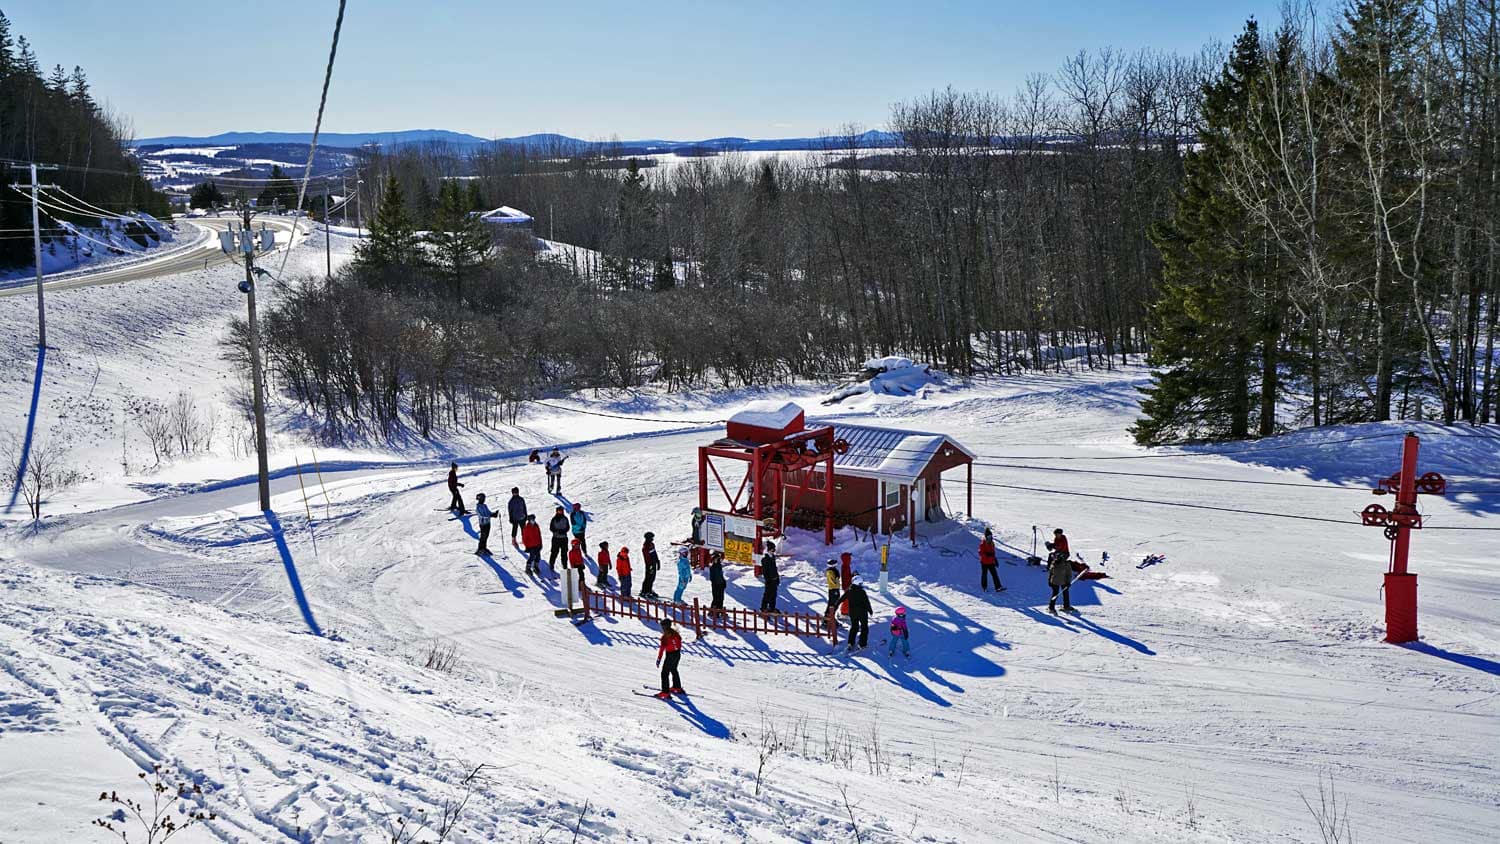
[
  {"x": 888, "y": 452},
  {"x": 506, "y": 216},
  {"x": 769, "y": 414},
  {"x": 889, "y": 363}
]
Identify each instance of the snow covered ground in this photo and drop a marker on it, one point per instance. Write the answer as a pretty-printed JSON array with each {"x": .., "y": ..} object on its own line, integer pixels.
[
  {"x": 106, "y": 245},
  {"x": 278, "y": 662}
]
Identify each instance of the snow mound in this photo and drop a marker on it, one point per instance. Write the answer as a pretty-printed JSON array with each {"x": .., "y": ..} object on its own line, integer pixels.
[{"x": 893, "y": 376}]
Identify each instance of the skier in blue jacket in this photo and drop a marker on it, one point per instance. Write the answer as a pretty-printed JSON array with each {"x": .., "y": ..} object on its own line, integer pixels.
[{"x": 684, "y": 574}]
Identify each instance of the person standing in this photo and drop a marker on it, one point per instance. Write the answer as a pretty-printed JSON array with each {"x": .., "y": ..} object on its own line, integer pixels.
[
  {"x": 716, "y": 580},
  {"x": 1060, "y": 576},
  {"x": 554, "y": 466},
  {"x": 622, "y": 570},
  {"x": 900, "y": 631},
  {"x": 846, "y": 576},
  {"x": 832, "y": 578},
  {"x": 559, "y": 527},
  {"x": 859, "y": 614},
  {"x": 485, "y": 514},
  {"x": 671, "y": 649},
  {"x": 652, "y": 563},
  {"x": 684, "y": 574},
  {"x": 531, "y": 540},
  {"x": 516, "y": 509},
  {"x": 989, "y": 563},
  {"x": 579, "y": 523},
  {"x": 770, "y": 577},
  {"x": 602, "y": 581},
  {"x": 456, "y": 504},
  {"x": 1059, "y": 544}
]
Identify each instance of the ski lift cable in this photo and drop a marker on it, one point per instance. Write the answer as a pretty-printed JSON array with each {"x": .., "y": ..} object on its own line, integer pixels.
[{"x": 312, "y": 148}]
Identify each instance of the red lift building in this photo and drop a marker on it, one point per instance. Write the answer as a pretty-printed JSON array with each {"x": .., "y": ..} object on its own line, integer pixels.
[{"x": 880, "y": 479}]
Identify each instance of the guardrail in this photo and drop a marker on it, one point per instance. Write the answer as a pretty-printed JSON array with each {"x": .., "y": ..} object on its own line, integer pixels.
[{"x": 699, "y": 618}]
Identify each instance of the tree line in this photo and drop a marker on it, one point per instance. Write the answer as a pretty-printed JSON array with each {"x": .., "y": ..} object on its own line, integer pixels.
[
  {"x": 1299, "y": 229},
  {"x": 51, "y": 117}
]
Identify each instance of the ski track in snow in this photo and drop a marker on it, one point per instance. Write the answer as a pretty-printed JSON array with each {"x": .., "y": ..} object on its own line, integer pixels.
[{"x": 1196, "y": 700}]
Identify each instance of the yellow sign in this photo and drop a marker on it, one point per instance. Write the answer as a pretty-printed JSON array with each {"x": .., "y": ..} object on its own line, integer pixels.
[{"x": 737, "y": 549}]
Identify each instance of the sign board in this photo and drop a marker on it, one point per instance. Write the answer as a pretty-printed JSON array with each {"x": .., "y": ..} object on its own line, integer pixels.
[
  {"x": 739, "y": 540},
  {"x": 740, "y": 526},
  {"x": 713, "y": 531}
]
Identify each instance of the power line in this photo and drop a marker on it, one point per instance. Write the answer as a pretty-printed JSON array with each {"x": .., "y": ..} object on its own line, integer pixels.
[{"x": 312, "y": 148}]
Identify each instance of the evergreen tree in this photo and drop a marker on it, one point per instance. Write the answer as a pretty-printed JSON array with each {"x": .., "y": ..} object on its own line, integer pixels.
[
  {"x": 393, "y": 246},
  {"x": 633, "y": 232},
  {"x": 1201, "y": 323},
  {"x": 58, "y": 81},
  {"x": 476, "y": 197},
  {"x": 459, "y": 241},
  {"x": 206, "y": 195},
  {"x": 279, "y": 192},
  {"x": 662, "y": 276}
]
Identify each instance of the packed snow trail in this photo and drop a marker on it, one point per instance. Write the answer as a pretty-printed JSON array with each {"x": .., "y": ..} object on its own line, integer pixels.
[{"x": 1195, "y": 700}]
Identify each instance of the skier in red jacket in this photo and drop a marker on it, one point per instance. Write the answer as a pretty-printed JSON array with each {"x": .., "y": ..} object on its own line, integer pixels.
[
  {"x": 671, "y": 648},
  {"x": 989, "y": 563},
  {"x": 531, "y": 540},
  {"x": 602, "y": 582},
  {"x": 622, "y": 570}
]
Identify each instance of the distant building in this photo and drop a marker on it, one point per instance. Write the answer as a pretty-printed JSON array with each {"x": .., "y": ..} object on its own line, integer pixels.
[{"x": 506, "y": 220}]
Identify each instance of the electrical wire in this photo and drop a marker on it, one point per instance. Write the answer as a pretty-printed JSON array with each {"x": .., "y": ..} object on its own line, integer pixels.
[
  {"x": 312, "y": 148},
  {"x": 75, "y": 200}
]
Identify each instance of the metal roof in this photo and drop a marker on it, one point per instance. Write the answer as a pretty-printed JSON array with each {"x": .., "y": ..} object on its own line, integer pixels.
[{"x": 888, "y": 453}]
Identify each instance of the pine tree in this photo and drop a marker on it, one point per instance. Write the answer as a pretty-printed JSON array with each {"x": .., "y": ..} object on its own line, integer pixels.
[
  {"x": 58, "y": 81},
  {"x": 206, "y": 195},
  {"x": 279, "y": 192},
  {"x": 1202, "y": 321},
  {"x": 7, "y": 49},
  {"x": 393, "y": 246},
  {"x": 475, "y": 197},
  {"x": 459, "y": 240},
  {"x": 633, "y": 232}
]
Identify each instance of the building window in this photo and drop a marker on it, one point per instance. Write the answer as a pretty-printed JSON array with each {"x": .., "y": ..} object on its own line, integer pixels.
[{"x": 892, "y": 494}]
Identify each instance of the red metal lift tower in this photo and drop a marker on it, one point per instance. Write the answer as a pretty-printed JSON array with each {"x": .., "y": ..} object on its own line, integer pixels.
[
  {"x": 770, "y": 441},
  {"x": 1401, "y": 585}
]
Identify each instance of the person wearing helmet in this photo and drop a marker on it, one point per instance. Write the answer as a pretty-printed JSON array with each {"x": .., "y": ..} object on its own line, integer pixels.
[
  {"x": 559, "y": 527},
  {"x": 832, "y": 578},
  {"x": 684, "y": 574},
  {"x": 652, "y": 561},
  {"x": 554, "y": 466},
  {"x": 770, "y": 577},
  {"x": 515, "y": 508},
  {"x": 622, "y": 570},
  {"x": 899, "y": 631},
  {"x": 716, "y": 581},
  {"x": 859, "y": 614},
  {"x": 671, "y": 649},
  {"x": 531, "y": 540},
  {"x": 485, "y": 515},
  {"x": 989, "y": 563},
  {"x": 580, "y": 525},
  {"x": 603, "y": 559}
]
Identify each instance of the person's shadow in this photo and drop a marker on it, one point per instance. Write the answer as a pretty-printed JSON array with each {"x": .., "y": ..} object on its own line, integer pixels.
[
  {"x": 690, "y": 712},
  {"x": 507, "y": 580}
]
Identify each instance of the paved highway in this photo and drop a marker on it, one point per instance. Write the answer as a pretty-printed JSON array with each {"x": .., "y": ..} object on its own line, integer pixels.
[{"x": 185, "y": 260}]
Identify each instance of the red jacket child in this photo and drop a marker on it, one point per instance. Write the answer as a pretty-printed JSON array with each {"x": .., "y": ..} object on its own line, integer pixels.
[
  {"x": 622, "y": 562},
  {"x": 531, "y": 535},
  {"x": 575, "y": 556}
]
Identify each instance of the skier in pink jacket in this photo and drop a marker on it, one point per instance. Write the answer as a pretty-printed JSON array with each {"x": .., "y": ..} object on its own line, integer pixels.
[{"x": 900, "y": 632}]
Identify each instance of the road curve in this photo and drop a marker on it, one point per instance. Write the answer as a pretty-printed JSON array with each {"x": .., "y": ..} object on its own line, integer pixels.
[{"x": 185, "y": 260}]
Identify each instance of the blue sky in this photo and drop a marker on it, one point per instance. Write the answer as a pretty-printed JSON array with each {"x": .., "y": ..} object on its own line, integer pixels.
[{"x": 679, "y": 70}]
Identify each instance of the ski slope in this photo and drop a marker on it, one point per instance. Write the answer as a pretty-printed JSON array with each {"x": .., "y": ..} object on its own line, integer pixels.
[{"x": 1197, "y": 700}]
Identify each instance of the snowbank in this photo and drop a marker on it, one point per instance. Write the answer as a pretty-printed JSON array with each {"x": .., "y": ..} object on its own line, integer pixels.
[{"x": 893, "y": 376}]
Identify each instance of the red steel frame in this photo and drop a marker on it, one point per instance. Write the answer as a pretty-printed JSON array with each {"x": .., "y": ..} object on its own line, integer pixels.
[
  {"x": 766, "y": 462},
  {"x": 697, "y": 618}
]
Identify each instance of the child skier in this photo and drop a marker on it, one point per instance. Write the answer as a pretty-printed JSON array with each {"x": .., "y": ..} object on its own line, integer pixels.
[
  {"x": 531, "y": 540},
  {"x": 989, "y": 564},
  {"x": 622, "y": 570},
  {"x": 900, "y": 631},
  {"x": 671, "y": 648},
  {"x": 653, "y": 563},
  {"x": 580, "y": 524},
  {"x": 684, "y": 574},
  {"x": 554, "y": 466},
  {"x": 485, "y": 515},
  {"x": 603, "y": 559}
]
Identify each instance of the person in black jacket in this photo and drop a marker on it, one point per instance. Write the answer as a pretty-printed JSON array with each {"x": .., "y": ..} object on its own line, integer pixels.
[
  {"x": 515, "y": 508},
  {"x": 716, "y": 580},
  {"x": 652, "y": 562},
  {"x": 771, "y": 578},
  {"x": 859, "y": 614},
  {"x": 560, "y": 525},
  {"x": 457, "y": 504}
]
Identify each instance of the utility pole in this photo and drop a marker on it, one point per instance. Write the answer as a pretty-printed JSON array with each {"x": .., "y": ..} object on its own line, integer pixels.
[
  {"x": 36, "y": 237},
  {"x": 327, "y": 240},
  {"x": 246, "y": 244}
]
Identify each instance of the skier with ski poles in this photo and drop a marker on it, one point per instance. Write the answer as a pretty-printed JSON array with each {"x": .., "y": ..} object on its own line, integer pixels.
[
  {"x": 485, "y": 514},
  {"x": 899, "y": 630},
  {"x": 622, "y": 570},
  {"x": 684, "y": 574},
  {"x": 859, "y": 614},
  {"x": 531, "y": 540},
  {"x": 989, "y": 563},
  {"x": 770, "y": 577},
  {"x": 671, "y": 649},
  {"x": 603, "y": 560},
  {"x": 559, "y": 527},
  {"x": 554, "y": 466},
  {"x": 457, "y": 503},
  {"x": 1059, "y": 572},
  {"x": 515, "y": 508},
  {"x": 653, "y": 563}
]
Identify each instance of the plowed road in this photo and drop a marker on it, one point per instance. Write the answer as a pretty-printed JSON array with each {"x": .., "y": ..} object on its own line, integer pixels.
[{"x": 184, "y": 260}]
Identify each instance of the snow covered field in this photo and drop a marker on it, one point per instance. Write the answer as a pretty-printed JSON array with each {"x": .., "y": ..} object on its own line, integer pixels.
[{"x": 278, "y": 662}]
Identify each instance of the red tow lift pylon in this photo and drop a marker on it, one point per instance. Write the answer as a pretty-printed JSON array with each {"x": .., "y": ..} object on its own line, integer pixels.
[{"x": 1401, "y": 585}]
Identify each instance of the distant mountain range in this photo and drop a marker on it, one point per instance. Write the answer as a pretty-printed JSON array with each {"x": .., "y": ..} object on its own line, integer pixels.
[{"x": 540, "y": 141}]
